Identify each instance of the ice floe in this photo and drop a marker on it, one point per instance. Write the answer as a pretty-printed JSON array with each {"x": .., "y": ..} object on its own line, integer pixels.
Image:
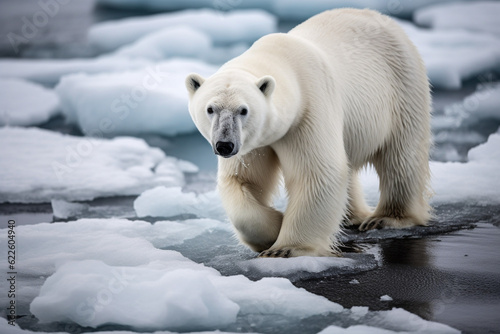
[
  {"x": 480, "y": 16},
  {"x": 49, "y": 71},
  {"x": 25, "y": 103},
  {"x": 150, "y": 100},
  {"x": 39, "y": 165},
  {"x": 168, "y": 202},
  {"x": 452, "y": 56},
  {"x": 179, "y": 42},
  {"x": 223, "y": 27}
]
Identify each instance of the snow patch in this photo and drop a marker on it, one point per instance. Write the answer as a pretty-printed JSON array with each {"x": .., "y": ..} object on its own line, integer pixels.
[{"x": 25, "y": 103}]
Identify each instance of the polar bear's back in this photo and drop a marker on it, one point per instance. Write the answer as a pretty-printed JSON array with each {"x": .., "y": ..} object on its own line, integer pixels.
[{"x": 379, "y": 73}]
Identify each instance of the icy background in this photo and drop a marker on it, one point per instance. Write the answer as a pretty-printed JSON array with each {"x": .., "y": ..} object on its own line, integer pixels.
[{"x": 120, "y": 227}]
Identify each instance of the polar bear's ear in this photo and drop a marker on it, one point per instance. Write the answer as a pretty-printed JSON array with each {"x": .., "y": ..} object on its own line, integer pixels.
[
  {"x": 266, "y": 85},
  {"x": 193, "y": 82}
]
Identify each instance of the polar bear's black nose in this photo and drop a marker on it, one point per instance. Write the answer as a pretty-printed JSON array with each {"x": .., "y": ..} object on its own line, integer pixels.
[{"x": 224, "y": 148}]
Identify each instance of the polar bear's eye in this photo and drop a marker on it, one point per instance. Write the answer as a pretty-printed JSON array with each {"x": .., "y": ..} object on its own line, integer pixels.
[
  {"x": 243, "y": 111},
  {"x": 210, "y": 111}
]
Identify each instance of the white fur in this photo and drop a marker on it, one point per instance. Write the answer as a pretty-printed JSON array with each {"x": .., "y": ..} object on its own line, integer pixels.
[{"x": 346, "y": 88}]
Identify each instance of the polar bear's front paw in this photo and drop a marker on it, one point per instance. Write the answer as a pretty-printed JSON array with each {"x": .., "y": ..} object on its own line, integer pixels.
[{"x": 286, "y": 252}]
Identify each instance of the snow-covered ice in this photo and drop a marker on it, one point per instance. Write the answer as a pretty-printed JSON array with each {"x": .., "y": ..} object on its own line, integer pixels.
[
  {"x": 223, "y": 27},
  {"x": 49, "y": 71},
  {"x": 25, "y": 103},
  {"x": 169, "y": 202},
  {"x": 39, "y": 165},
  {"x": 150, "y": 100},
  {"x": 452, "y": 56},
  {"x": 481, "y": 16}
]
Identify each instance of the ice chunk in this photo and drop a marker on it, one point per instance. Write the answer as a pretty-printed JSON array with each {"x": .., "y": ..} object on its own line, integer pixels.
[
  {"x": 151, "y": 100},
  {"x": 64, "y": 210},
  {"x": 25, "y": 103},
  {"x": 385, "y": 298},
  {"x": 39, "y": 165},
  {"x": 176, "y": 41},
  {"x": 474, "y": 181},
  {"x": 483, "y": 104},
  {"x": 479, "y": 16},
  {"x": 223, "y": 27},
  {"x": 394, "y": 321},
  {"x": 284, "y": 267},
  {"x": 179, "y": 42},
  {"x": 49, "y": 71},
  {"x": 168, "y": 202},
  {"x": 354, "y": 281},
  {"x": 182, "y": 299},
  {"x": 451, "y": 55},
  {"x": 358, "y": 312}
]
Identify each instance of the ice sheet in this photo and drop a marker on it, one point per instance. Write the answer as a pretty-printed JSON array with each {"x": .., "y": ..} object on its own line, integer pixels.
[
  {"x": 56, "y": 166},
  {"x": 150, "y": 100},
  {"x": 223, "y": 27},
  {"x": 25, "y": 103},
  {"x": 479, "y": 16}
]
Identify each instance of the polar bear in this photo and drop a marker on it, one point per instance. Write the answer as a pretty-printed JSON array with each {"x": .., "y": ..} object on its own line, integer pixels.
[{"x": 344, "y": 89}]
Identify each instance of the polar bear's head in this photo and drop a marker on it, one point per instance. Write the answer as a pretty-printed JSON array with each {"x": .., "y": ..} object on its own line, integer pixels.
[{"x": 231, "y": 109}]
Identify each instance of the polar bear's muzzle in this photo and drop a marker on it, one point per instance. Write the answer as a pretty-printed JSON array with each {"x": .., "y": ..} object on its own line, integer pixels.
[{"x": 225, "y": 134}]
